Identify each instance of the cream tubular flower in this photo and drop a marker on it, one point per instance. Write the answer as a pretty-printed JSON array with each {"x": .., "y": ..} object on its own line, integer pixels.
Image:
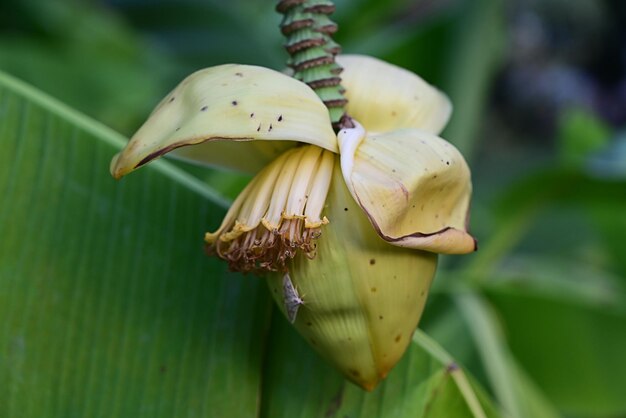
[{"x": 345, "y": 227}]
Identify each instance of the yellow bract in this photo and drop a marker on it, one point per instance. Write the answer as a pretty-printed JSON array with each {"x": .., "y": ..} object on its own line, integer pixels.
[
  {"x": 217, "y": 108},
  {"x": 384, "y": 97},
  {"x": 413, "y": 186}
]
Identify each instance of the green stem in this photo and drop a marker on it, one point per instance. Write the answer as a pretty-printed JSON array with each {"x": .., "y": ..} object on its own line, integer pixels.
[{"x": 308, "y": 28}]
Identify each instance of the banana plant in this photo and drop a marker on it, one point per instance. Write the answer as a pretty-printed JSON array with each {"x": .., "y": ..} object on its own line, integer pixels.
[{"x": 110, "y": 307}]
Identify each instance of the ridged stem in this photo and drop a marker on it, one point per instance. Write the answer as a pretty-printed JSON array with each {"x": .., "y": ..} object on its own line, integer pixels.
[{"x": 308, "y": 28}]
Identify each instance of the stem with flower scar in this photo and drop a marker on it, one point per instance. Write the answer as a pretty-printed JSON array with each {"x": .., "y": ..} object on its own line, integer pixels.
[{"x": 308, "y": 28}]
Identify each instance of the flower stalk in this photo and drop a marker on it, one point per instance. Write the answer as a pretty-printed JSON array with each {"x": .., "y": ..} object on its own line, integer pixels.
[{"x": 308, "y": 28}]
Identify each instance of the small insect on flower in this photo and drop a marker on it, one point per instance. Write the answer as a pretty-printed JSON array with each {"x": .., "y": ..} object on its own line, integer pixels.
[{"x": 292, "y": 298}]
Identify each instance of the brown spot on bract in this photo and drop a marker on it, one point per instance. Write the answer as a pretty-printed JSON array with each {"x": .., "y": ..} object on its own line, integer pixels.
[
  {"x": 372, "y": 261},
  {"x": 380, "y": 317},
  {"x": 373, "y": 289},
  {"x": 239, "y": 74},
  {"x": 345, "y": 209},
  {"x": 280, "y": 118},
  {"x": 234, "y": 103},
  {"x": 259, "y": 128},
  {"x": 393, "y": 113},
  {"x": 313, "y": 342},
  {"x": 270, "y": 128},
  {"x": 172, "y": 99},
  {"x": 354, "y": 373},
  {"x": 251, "y": 115},
  {"x": 398, "y": 338},
  {"x": 308, "y": 324},
  {"x": 204, "y": 108}
]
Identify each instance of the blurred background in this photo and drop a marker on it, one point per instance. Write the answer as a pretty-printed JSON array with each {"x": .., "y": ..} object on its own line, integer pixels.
[{"x": 539, "y": 89}]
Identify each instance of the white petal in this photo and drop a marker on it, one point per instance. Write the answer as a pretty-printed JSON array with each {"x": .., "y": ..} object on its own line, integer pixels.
[
  {"x": 224, "y": 111},
  {"x": 384, "y": 97}
]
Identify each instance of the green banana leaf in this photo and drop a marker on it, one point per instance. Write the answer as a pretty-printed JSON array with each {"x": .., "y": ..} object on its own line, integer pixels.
[{"x": 108, "y": 307}]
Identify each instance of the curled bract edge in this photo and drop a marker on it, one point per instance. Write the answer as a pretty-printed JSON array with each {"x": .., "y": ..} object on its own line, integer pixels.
[{"x": 210, "y": 113}]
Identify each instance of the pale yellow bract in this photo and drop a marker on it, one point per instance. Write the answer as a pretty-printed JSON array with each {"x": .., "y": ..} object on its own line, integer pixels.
[
  {"x": 387, "y": 97},
  {"x": 218, "y": 107},
  {"x": 355, "y": 219}
]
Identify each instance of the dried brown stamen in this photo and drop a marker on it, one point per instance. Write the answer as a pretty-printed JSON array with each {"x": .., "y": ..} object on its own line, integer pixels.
[
  {"x": 262, "y": 250},
  {"x": 277, "y": 215}
]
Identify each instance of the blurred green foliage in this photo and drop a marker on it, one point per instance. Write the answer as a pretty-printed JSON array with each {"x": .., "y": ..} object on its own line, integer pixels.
[{"x": 538, "y": 314}]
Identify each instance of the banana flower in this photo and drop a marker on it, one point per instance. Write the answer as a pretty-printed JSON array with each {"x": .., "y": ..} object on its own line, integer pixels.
[{"x": 345, "y": 227}]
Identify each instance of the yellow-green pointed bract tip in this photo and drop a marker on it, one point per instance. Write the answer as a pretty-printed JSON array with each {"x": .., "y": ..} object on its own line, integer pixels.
[
  {"x": 361, "y": 297},
  {"x": 237, "y": 116}
]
